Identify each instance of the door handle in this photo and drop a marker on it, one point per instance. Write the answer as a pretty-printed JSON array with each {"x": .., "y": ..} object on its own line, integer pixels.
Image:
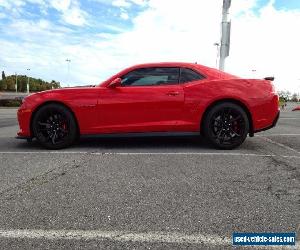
[{"x": 173, "y": 93}]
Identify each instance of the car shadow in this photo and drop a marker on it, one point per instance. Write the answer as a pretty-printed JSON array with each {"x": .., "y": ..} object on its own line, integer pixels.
[
  {"x": 132, "y": 143},
  {"x": 144, "y": 143}
]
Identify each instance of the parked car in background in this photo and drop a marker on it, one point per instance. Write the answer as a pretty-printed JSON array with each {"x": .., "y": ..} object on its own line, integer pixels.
[{"x": 297, "y": 108}]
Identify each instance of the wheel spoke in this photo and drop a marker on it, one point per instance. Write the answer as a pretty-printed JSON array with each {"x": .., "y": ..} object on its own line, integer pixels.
[
  {"x": 222, "y": 138},
  {"x": 47, "y": 125},
  {"x": 235, "y": 133},
  {"x": 54, "y": 138},
  {"x": 235, "y": 118}
]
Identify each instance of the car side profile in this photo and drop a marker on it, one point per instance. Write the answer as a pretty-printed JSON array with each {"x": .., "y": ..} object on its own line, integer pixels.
[{"x": 171, "y": 98}]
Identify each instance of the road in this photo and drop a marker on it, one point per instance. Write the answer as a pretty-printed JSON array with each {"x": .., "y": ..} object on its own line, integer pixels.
[
  {"x": 147, "y": 193},
  {"x": 12, "y": 95}
]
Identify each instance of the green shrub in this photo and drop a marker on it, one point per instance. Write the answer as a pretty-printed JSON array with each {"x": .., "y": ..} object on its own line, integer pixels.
[{"x": 10, "y": 103}]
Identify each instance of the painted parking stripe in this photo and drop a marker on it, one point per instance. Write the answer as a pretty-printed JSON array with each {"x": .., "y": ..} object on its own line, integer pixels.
[
  {"x": 280, "y": 144},
  {"x": 151, "y": 237},
  {"x": 289, "y": 118},
  {"x": 263, "y": 135},
  {"x": 200, "y": 154},
  {"x": 148, "y": 153}
]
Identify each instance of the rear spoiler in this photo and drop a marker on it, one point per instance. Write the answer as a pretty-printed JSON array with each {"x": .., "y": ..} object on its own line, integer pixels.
[{"x": 270, "y": 78}]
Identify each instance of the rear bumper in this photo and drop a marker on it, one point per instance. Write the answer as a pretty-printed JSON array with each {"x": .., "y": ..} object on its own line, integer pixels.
[{"x": 271, "y": 126}]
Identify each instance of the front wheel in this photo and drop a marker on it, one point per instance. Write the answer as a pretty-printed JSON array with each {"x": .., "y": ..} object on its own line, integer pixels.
[
  {"x": 54, "y": 126},
  {"x": 226, "y": 125}
]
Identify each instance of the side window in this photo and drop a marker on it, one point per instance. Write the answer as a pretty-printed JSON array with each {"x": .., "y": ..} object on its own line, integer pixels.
[
  {"x": 188, "y": 75},
  {"x": 151, "y": 76}
]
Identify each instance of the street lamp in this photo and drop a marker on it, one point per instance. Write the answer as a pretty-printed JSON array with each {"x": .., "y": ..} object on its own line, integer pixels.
[
  {"x": 16, "y": 85},
  {"x": 218, "y": 53},
  {"x": 68, "y": 61},
  {"x": 298, "y": 91},
  {"x": 225, "y": 38},
  {"x": 28, "y": 81}
]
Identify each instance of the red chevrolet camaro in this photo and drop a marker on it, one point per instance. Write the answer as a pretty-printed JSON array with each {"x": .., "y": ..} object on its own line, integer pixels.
[{"x": 157, "y": 98}]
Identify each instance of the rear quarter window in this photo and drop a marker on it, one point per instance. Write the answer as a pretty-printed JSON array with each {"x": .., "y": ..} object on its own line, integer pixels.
[{"x": 189, "y": 75}]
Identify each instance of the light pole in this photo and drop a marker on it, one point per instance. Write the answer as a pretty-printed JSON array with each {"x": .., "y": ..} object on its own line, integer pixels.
[
  {"x": 298, "y": 91},
  {"x": 225, "y": 39},
  {"x": 28, "y": 81},
  {"x": 16, "y": 86},
  {"x": 68, "y": 61},
  {"x": 218, "y": 53}
]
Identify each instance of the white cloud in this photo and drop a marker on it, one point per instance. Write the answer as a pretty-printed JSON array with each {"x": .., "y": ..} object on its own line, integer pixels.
[
  {"x": 121, "y": 3},
  {"x": 40, "y": 2},
  {"x": 267, "y": 42},
  {"x": 124, "y": 16},
  {"x": 5, "y": 4},
  {"x": 169, "y": 30},
  {"x": 61, "y": 5},
  {"x": 165, "y": 32},
  {"x": 139, "y": 2},
  {"x": 242, "y": 6},
  {"x": 71, "y": 11},
  {"x": 75, "y": 16},
  {"x": 13, "y": 7}
]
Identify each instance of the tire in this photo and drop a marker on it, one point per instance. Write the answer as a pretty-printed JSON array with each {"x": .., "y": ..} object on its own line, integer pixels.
[
  {"x": 54, "y": 126},
  {"x": 226, "y": 125}
]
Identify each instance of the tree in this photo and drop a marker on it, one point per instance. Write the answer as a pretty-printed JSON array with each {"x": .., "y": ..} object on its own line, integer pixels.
[
  {"x": 10, "y": 83},
  {"x": 286, "y": 95},
  {"x": 3, "y": 85},
  {"x": 3, "y": 75},
  {"x": 294, "y": 98},
  {"x": 34, "y": 84},
  {"x": 55, "y": 85}
]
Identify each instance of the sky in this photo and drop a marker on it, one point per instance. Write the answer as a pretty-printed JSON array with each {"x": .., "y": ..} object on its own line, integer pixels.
[{"x": 101, "y": 37}]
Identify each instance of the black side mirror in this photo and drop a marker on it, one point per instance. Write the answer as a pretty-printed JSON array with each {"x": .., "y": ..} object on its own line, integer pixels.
[{"x": 115, "y": 83}]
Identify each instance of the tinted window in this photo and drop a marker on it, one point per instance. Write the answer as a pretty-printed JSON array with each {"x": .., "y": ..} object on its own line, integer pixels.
[
  {"x": 188, "y": 75},
  {"x": 151, "y": 76}
]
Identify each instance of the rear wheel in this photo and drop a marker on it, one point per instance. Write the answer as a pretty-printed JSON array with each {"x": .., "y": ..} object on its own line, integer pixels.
[
  {"x": 54, "y": 126},
  {"x": 226, "y": 125}
]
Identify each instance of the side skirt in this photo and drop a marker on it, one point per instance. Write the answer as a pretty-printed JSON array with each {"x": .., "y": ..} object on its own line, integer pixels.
[{"x": 147, "y": 134}]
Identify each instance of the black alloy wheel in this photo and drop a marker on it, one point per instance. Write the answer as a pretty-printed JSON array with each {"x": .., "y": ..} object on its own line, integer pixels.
[
  {"x": 226, "y": 125},
  {"x": 54, "y": 126}
]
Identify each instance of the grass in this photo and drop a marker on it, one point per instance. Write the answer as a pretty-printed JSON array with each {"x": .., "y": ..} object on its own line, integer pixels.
[{"x": 10, "y": 103}]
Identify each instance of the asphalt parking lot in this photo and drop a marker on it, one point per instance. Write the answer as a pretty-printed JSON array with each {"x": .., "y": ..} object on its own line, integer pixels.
[{"x": 147, "y": 193}]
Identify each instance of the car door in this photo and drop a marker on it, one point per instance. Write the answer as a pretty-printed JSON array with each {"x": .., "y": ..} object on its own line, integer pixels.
[{"x": 148, "y": 100}]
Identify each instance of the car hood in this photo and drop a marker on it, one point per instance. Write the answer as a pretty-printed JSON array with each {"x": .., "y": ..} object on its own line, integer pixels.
[
  {"x": 61, "y": 92},
  {"x": 68, "y": 89}
]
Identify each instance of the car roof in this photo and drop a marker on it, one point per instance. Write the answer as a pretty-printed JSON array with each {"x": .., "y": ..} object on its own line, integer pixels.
[{"x": 209, "y": 73}]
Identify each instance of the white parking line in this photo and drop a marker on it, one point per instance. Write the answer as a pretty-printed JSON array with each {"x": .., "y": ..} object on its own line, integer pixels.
[
  {"x": 149, "y": 153},
  {"x": 289, "y": 118},
  {"x": 151, "y": 237},
  {"x": 263, "y": 135},
  {"x": 280, "y": 144}
]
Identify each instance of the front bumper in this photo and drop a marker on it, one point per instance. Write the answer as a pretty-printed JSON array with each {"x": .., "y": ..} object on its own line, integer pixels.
[
  {"x": 24, "y": 116},
  {"x": 28, "y": 138}
]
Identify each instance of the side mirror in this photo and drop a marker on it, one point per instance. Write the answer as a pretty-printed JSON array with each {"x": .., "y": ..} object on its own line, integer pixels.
[{"x": 115, "y": 83}]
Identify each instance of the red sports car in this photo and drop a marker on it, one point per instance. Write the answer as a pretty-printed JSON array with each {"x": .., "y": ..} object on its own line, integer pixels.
[
  {"x": 157, "y": 98},
  {"x": 297, "y": 108}
]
